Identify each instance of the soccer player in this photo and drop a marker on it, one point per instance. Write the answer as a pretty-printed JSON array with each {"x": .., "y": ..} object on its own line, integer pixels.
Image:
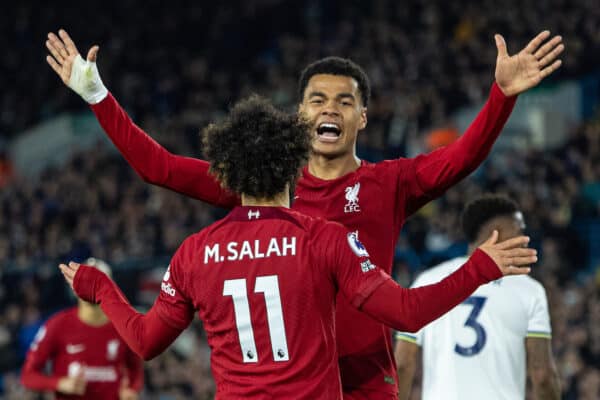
[
  {"x": 264, "y": 279},
  {"x": 89, "y": 359},
  {"x": 372, "y": 199},
  {"x": 479, "y": 350}
]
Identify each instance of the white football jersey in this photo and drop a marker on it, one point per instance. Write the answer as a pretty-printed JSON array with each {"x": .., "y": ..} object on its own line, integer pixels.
[{"x": 477, "y": 350}]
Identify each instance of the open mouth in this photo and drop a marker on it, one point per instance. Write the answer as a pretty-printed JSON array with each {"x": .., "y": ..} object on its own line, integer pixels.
[{"x": 328, "y": 131}]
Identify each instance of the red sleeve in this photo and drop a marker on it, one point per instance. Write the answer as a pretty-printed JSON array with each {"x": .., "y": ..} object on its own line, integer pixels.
[
  {"x": 347, "y": 262},
  {"x": 147, "y": 335},
  {"x": 409, "y": 310},
  {"x": 40, "y": 352},
  {"x": 154, "y": 163},
  {"x": 135, "y": 371},
  {"x": 437, "y": 171}
]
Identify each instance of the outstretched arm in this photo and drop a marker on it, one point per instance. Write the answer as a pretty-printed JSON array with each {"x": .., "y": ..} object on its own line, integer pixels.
[
  {"x": 146, "y": 334},
  {"x": 439, "y": 170},
  {"x": 411, "y": 309},
  {"x": 149, "y": 159}
]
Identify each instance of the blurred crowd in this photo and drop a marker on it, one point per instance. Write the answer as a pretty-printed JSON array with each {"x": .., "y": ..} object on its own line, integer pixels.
[{"x": 176, "y": 68}]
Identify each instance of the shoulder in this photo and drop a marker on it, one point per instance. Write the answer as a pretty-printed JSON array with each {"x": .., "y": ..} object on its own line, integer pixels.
[
  {"x": 527, "y": 285},
  {"x": 62, "y": 317},
  {"x": 383, "y": 167}
]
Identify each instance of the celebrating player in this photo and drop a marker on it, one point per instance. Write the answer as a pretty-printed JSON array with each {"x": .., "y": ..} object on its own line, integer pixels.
[
  {"x": 264, "y": 279},
  {"x": 490, "y": 338},
  {"x": 89, "y": 359},
  {"x": 372, "y": 199}
]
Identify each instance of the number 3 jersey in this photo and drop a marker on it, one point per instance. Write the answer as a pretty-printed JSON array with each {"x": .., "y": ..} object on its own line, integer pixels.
[
  {"x": 264, "y": 281},
  {"x": 477, "y": 350}
]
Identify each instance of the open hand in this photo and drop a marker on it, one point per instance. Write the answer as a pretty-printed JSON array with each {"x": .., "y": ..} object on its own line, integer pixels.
[
  {"x": 510, "y": 255},
  {"x": 63, "y": 53},
  {"x": 524, "y": 70},
  {"x": 69, "y": 271}
]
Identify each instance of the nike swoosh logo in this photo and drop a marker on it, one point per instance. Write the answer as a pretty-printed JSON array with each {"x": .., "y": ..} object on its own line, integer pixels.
[{"x": 75, "y": 348}]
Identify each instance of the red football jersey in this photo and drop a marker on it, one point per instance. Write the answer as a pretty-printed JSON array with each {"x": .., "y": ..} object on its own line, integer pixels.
[
  {"x": 264, "y": 281},
  {"x": 374, "y": 200},
  {"x": 72, "y": 346}
]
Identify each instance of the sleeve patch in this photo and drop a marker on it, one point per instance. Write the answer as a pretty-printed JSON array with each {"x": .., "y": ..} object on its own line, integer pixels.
[{"x": 357, "y": 247}]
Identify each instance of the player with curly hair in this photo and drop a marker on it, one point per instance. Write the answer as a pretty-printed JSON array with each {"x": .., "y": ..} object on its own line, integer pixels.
[
  {"x": 372, "y": 199},
  {"x": 264, "y": 279}
]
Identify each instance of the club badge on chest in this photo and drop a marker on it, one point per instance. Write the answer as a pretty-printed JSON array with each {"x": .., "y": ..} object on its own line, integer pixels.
[{"x": 352, "y": 205}]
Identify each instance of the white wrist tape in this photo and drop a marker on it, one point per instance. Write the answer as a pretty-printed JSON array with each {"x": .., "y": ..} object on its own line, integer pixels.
[{"x": 85, "y": 81}]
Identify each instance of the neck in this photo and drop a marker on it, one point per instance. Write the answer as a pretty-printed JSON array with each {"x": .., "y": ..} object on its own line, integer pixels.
[
  {"x": 324, "y": 167},
  {"x": 91, "y": 314},
  {"x": 472, "y": 248},
  {"x": 280, "y": 200}
]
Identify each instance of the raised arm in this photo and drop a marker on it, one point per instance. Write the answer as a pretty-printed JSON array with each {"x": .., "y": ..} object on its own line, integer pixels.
[
  {"x": 441, "y": 169},
  {"x": 147, "y": 335},
  {"x": 149, "y": 159}
]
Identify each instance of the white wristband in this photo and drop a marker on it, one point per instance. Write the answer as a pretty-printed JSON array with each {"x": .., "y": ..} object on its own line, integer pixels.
[{"x": 85, "y": 81}]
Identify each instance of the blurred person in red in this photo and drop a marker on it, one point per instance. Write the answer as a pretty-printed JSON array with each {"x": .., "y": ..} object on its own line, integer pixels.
[
  {"x": 89, "y": 359},
  {"x": 372, "y": 199},
  {"x": 264, "y": 279}
]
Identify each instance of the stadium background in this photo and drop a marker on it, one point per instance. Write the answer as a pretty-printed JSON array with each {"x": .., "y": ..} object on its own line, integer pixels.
[{"x": 65, "y": 194}]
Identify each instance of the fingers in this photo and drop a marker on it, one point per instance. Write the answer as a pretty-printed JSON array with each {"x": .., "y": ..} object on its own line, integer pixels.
[
  {"x": 545, "y": 49},
  {"x": 70, "y": 45},
  {"x": 492, "y": 239},
  {"x": 519, "y": 260},
  {"x": 57, "y": 44},
  {"x": 548, "y": 58},
  {"x": 519, "y": 252},
  {"x": 549, "y": 70},
  {"x": 516, "y": 270},
  {"x": 536, "y": 42},
  {"x": 52, "y": 62},
  {"x": 93, "y": 54},
  {"x": 74, "y": 266},
  {"x": 67, "y": 272},
  {"x": 518, "y": 241},
  {"x": 55, "y": 50},
  {"x": 501, "y": 45}
]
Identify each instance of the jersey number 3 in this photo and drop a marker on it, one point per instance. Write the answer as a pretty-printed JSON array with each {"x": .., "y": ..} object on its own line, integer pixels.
[
  {"x": 269, "y": 286},
  {"x": 481, "y": 337}
]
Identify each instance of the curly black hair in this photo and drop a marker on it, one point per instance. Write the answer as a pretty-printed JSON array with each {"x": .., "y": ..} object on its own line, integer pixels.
[
  {"x": 257, "y": 149},
  {"x": 336, "y": 66},
  {"x": 481, "y": 210}
]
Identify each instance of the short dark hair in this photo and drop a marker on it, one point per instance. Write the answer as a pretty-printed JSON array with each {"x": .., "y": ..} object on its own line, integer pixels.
[
  {"x": 336, "y": 66},
  {"x": 483, "y": 209},
  {"x": 257, "y": 149}
]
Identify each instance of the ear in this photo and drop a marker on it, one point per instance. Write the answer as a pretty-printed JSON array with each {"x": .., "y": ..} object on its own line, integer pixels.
[{"x": 363, "y": 119}]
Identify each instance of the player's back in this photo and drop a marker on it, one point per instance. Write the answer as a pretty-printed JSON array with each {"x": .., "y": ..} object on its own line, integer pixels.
[
  {"x": 267, "y": 303},
  {"x": 477, "y": 350}
]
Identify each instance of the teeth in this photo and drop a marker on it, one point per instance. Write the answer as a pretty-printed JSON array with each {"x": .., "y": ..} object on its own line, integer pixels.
[{"x": 329, "y": 125}]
